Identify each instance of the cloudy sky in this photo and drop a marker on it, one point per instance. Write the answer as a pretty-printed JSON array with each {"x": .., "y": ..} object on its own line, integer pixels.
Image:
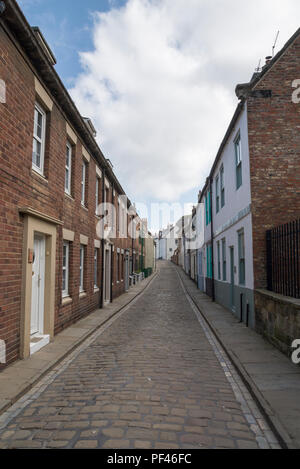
[{"x": 157, "y": 77}]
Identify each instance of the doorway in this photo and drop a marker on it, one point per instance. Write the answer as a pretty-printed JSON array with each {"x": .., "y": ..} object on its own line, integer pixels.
[
  {"x": 37, "y": 337},
  {"x": 38, "y": 286}
]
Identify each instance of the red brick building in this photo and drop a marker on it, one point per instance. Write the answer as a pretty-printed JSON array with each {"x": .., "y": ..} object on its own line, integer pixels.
[
  {"x": 274, "y": 145},
  {"x": 54, "y": 266}
]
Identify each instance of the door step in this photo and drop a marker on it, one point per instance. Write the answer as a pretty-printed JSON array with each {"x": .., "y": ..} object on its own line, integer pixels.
[{"x": 37, "y": 342}]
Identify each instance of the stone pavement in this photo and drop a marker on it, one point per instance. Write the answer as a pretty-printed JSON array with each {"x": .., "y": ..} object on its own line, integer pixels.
[
  {"x": 153, "y": 377},
  {"x": 21, "y": 376},
  {"x": 271, "y": 376}
]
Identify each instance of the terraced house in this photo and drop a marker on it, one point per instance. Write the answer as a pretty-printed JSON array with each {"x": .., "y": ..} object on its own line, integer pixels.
[
  {"x": 55, "y": 266},
  {"x": 253, "y": 187}
]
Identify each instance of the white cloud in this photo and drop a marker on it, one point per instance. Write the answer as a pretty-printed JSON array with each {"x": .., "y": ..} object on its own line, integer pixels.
[{"x": 159, "y": 84}]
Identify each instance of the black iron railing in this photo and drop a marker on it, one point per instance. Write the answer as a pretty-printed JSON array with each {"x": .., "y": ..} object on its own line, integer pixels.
[{"x": 283, "y": 262}]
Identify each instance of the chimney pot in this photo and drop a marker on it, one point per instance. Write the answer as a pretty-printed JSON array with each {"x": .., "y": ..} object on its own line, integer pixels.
[{"x": 268, "y": 59}]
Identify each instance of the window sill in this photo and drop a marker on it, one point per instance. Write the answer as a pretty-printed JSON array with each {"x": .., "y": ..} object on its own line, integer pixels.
[
  {"x": 68, "y": 196},
  {"x": 96, "y": 290},
  {"x": 82, "y": 295},
  {"x": 84, "y": 208},
  {"x": 66, "y": 301},
  {"x": 39, "y": 175}
]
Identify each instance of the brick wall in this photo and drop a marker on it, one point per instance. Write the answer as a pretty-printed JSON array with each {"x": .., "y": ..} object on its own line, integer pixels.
[
  {"x": 278, "y": 319},
  {"x": 274, "y": 144},
  {"x": 20, "y": 186}
]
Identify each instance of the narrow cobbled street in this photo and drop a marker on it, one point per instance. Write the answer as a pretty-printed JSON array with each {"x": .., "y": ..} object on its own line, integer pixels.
[{"x": 155, "y": 378}]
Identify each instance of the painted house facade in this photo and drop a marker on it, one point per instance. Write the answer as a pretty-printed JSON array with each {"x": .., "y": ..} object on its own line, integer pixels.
[
  {"x": 227, "y": 201},
  {"x": 167, "y": 243},
  {"x": 253, "y": 186}
]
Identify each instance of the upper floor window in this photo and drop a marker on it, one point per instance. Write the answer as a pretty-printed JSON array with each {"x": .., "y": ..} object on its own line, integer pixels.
[
  {"x": 39, "y": 135},
  {"x": 97, "y": 193},
  {"x": 222, "y": 186},
  {"x": 238, "y": 161},
  {"x": 217, "y": 194},
  {"x": 83, "y": 182},
  {"x": 68, "y": 169},
  {"x": 208, "y": 208}
]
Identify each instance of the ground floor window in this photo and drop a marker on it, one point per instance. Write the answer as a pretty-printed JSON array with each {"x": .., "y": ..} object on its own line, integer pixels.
[
  {"x": 96, "y": 257},
  {"x": 65, "y": 269},
  {"x": 224, "y": 259},
  {"x": 209, "y": 261},
  {"x": 241, "y": 250},
  {"x": 81, "y": 268},
  {"x": 219, "y": 260}
]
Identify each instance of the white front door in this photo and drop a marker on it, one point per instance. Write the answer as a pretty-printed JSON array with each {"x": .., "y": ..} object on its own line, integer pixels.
[{"x": 38, "y": 286}]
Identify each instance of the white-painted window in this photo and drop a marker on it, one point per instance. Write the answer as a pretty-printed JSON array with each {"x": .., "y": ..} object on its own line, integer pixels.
[
  {"x": 238, "y": 161},
  {"x": 39, "y": 133},
  {"x": 97, "y": 193},
  {"x": 83, "y": 182},
  {"x": 217, "y": 194},
  {"x": 68, "y": 169},
  {"x": 65, "y": 269},
  {"x": 81, "y": 267},
  {"x": 96, "y": 285},
  {"x": 222, "y": 181}
]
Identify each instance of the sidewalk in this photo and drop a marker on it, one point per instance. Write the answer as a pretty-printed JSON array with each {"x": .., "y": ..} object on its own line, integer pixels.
[
  {"x": 22, "y": 375},
  {"x": 270, "y": 376}
]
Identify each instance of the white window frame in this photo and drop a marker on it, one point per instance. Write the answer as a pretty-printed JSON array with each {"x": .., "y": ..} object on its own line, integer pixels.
[
  {"x": 238, "y": 146},
  {"x": 41, "y": 140},
  {"x": 242, "y": 256},
  {"x": 218, "y": 198},
  {"x": 97, "y": 193},
  {"x": 96, "y": 256},
  {"x": 83, "y": 181},
  {"x": 65, "y": 268},
  {"x": 238, "y": 159},
  {"x": 81, "y": 268},
  {"x": 222, "y": 187},
  {"x": 68, "y": 168}
]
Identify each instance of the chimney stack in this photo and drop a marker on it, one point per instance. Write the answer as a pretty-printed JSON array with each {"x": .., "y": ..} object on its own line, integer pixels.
[{"x": 268, "y": 59}]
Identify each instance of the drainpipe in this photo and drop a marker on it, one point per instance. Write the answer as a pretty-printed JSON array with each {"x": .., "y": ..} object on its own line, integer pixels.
[
  {"x": 111, "y": 272},
  {"x": 212, "y": 241},
  {"x": 111, "y": 250},
  {"x": 142, "y": 253},
  {"x": 103, "y": 247},
  {"x": 132, "y": 244}
]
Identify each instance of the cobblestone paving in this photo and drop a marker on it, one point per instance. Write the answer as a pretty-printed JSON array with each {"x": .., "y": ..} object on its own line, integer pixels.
[{"x": 154, "y": 378}]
